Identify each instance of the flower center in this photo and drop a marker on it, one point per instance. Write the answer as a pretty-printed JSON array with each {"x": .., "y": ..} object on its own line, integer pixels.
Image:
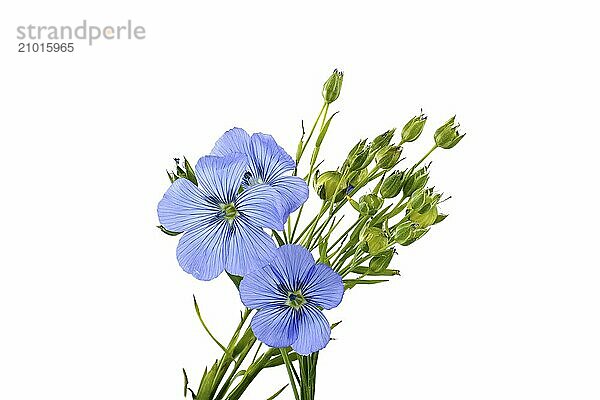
[
  {"x": 295, "y": 299},
  {"x": 229, "y": 211}
]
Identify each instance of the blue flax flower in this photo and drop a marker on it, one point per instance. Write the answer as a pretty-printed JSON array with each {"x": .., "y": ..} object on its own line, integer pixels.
[
  {"x": 267, "y": 163},
  {"x": 222, "y": 224},
  {"x": 289, "y": 293}
]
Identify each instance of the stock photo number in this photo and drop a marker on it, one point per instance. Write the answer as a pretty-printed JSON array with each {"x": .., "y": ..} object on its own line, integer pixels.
[{"x": 46, "y": 47}]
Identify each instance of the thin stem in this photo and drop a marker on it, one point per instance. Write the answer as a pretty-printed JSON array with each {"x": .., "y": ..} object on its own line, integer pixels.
[
  {"x": 208, "y": 330},
  {"x": 289, "y": 366},
  {"x": 425, "y": 156}
]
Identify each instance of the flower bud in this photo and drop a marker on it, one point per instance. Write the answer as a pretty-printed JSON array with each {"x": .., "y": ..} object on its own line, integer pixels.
[
  {"x": 333, "y": 86},
  {"x": 380, "y": 262},
  {"x": 355, "y": 178},
  {"x": 403, "y": 232},
  {"x": 387, "y": 158},
  {"x": 374, "y": 239},
  {"x": 415, "y": 181},
  {"x": 382, "y": 140},
  {"x": 413, "y": 128},
  {"x": 360, "y": 160},
  {"x": 446, "y": 136},
  {"x": 329, "y": 185},
  {"x": 392, "y": 185},
  {"x": 369, "y": 204},
  {"x": 182, "y": 170}
]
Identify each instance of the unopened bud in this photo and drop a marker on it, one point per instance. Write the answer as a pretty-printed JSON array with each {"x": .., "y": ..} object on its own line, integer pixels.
[
  {"x": 329, "y": 185},
  {"x": 446, "y": 136},
  {"x": 387, "y": 158},
  {"x": 392, "y": 185},
  {"x": 415, "y": 181},
  {"x": 413, "y": 128},
  {"x": 374, "y": 240},
  {"x": 333, "y": 86},
  {"x": 382, "y": 140},
  {"x": 380, "y": 262},
  {"x": 369, "y": 204}
]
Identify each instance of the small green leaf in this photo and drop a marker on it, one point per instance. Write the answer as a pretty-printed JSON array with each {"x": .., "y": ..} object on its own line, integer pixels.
[
  {"x": 278, "y": 238},
  {"x": 185, "y": 383},
  {"x": 278, "y": 360},
  {"x": 440, "y": 218},
  {"x": 189, "y": 172},
  {"x": 350, "y": 283},
  {"x": 235, "y": 279},
  {"x": 278, "y": 392},
  {"x": 168, "y": 232},
  {"x": 335, "y": 324},
  {"x": 369, "y": 272}
]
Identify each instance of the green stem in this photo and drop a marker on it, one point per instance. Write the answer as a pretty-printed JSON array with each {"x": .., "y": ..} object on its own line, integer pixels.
[
  {"x": 289, "y": 366},
  {"x": 424, "y": 157}
]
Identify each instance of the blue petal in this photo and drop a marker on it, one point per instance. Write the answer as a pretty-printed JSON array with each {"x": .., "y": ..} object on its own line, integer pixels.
[
  {"x": 220, "y": 177},
  {"x": 293, "y": 191},
  {"x": 183, "y": 207},
  {"x": 290, "y": 264},
  {"x": 267, "y": 159},
  {"x": 235, "y": 140},
  {"x": 262, "y": 288},
  {"x": 323, "y": 287},
  {"x": 260, "y": 205},
  {"x": 275, "y": 326},
  {"x": 250, "y": 248},
  {"x": 202, "y": 251},
  {"x": 313, "y": 331}
]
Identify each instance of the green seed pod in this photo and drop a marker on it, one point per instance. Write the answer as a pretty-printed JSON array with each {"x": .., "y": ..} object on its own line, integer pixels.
[
  {"x": 369, "y": 204},
  {"x": 355, "y": 178},
  {"x": 388, "y": 157},
  {"x": 392, "y": 185},
  {"x": 380, "y": 262},
  {"x": 415, "y": 181},
  {"x": 403, "y": 232},
  {"x": 446, "y": 136},
  {"x": 424, "y": 218},
  {"x": 413, "y": 128},
  {"x": 333, "y": 86},
  {"x": 382, "y": 140},
  {"x": 375, "y": 240},
  {"x": 327, "y": 183}
]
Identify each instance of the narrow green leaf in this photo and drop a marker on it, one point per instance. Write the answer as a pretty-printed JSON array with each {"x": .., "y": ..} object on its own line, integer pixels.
[
  {"x": 368, "y": 272},
  {"x": 168, "y": 232},
  {"x": 350, "y": 283},
  {"x": 278, "y": 360},
  {"x": 185, "y": 383},
  {"x": 335, "y": 324},
  {"x": 189, "y": 172},
  {"x": 277, "y": 393},
  {"x": 235, "y": 279},
  {"x": 278, "y": 238}
]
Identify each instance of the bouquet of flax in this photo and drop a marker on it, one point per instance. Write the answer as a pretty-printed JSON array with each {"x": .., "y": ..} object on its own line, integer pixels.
[{"x": 240, "y": 211}]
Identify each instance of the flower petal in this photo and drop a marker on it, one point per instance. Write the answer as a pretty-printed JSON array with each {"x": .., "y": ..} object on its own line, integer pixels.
[
  {"x": 313, "y": 331},
  {"x": 261, "y": 288},
  {"x": 183, "y": 207},
  {"x": 322, "y": 286},
  {"x": 293, "y": 191},
  {"x": 202, "y": 251},
  {"x": 260, "y": 205},
  {"x": 235, "y": 140},
  {"x": 291, "y": 262},
  {"x": 275, "y": 326},
  {"x": 249, "y": 247},
  {"x": 221, "y": 177},
  {"x": 267, "y": 159}
]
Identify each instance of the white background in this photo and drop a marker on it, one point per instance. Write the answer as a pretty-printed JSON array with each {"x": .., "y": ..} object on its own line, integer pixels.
[{"x": 500, "y": 301}]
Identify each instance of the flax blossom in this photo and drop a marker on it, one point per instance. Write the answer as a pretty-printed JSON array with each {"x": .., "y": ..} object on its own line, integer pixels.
[
  {"x": 267, "y": 164},
  {"x": 289, "y": 293},
  {"x": 223, "y": 225}
]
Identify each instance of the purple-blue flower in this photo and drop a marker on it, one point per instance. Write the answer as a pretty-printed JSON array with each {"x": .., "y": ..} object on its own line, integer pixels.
[
  {"x": 267, "y": 163},
  {"x": 222, "y": 224},
  {"x": 289, "y": 293}
]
